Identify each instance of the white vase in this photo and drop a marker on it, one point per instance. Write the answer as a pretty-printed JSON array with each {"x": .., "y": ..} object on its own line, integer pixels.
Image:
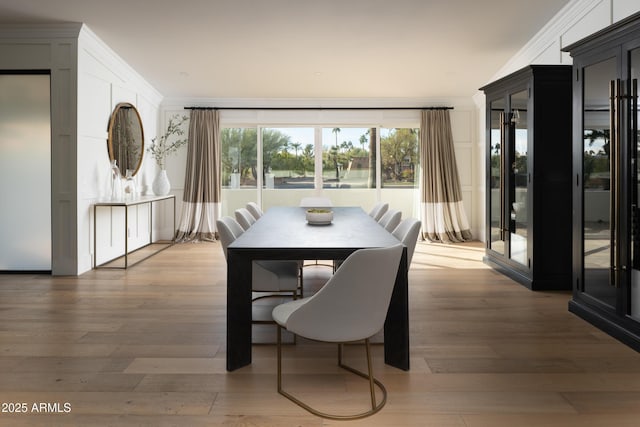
[{"x": 161, "y": 185}]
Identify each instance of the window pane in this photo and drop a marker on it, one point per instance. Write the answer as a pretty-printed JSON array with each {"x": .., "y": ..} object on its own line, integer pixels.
[
  {"x": 288, "y": 157},
  {"x": 399, "y": 157},
  {"x": 238, "y": 151},
  {"x": 347, "y": 160}
]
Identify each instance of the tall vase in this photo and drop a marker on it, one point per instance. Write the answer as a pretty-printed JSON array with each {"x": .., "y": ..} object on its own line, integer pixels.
[
  {"x": 161, "y": 185},
  {"x": 116, "y": 181}
]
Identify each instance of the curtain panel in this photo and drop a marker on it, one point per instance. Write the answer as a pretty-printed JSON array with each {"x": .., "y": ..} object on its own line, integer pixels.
[
  {"x": 442, "y": 210},
  {"x": 202, "y": 187}
]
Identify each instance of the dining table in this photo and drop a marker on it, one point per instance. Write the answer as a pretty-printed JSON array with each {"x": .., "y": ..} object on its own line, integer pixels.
[{"x": 283, "y": 233}]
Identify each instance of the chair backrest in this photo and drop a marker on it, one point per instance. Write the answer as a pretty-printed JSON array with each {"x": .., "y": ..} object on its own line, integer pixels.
[
  {"x": 226, "y": 234},
  {"x": 254, "y": 210},
  {"x": 244, "y": 217},
  {"x": 233, "y": 225},
  {"x": 378, "y": 210},
  {"x": 353, "y": 304},
  {"x": 391, "y": 219},
  {"x": 407, "y": 232},
  {"x": 316, "y": 202}
]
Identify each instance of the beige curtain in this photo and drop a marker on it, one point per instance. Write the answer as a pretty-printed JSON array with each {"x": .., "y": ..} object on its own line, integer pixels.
[
  {"x": 201, "y": 199},
  {"x": 443, "y": 215}
]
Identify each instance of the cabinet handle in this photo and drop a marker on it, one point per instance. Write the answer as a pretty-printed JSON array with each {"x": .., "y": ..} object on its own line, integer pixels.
[
  {"x": 633, "y": 156},
  {"x": 614, "y": 187},
  {"x": 503, "y": 123}
]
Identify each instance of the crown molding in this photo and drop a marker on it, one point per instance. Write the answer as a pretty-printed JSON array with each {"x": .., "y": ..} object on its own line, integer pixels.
[
  {"x": 41, "y": 31},
  {"x": 548, "y": 35}
]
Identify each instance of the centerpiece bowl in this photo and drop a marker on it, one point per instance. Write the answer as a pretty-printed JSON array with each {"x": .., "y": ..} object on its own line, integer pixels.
[{"x": 319, "y": 216}]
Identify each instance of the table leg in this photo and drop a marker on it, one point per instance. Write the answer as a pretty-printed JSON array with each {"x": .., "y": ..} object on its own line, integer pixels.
[
  {"x": 396, "y": 326},
  {"x": 238, "y": 310}
]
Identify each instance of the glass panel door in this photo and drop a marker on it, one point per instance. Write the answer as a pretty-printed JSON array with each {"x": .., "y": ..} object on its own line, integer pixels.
[
  {"x": 519, "y": 178},
  {"x": 496, "y": 164},
  {"x": 596, "y": 170}
]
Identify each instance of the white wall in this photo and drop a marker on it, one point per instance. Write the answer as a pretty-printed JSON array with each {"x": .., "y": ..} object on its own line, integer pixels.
[{"x": 104, "y": 80}]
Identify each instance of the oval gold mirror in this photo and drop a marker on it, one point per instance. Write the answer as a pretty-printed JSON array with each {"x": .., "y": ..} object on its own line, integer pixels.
[{"x": 126, "y": 138}]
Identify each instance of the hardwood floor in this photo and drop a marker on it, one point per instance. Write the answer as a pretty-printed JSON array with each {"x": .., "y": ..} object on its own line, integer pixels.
[{"x": 146, "y": 347}]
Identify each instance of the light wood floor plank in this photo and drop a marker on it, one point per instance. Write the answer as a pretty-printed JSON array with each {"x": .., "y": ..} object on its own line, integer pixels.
[{"x": 146, "y": 347}]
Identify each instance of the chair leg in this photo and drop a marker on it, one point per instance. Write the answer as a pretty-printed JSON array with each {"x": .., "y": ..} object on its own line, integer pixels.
[
  {"x": 279, "y": 342},
  {"x": 372, "y": 382},
  {"x": 301, "y": 279},
  {"x": 370, "y": 372}
]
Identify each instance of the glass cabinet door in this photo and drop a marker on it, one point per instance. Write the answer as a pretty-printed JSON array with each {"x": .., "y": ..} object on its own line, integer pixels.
[
  {"x": 519, "y": 178},
  {"x": 597, "y": 179},
  {"x": 497, "y": 182}
]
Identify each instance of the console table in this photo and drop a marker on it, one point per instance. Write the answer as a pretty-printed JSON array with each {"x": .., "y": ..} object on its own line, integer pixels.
[{"x": 126, "y": 205}]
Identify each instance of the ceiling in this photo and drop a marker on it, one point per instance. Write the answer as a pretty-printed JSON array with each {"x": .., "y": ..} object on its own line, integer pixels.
[{"x": 305, "y": 48}]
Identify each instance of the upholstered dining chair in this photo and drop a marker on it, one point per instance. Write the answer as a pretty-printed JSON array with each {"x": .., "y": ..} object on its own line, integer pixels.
[
  {"x": 254, "y": 210},
  {"x": 235, "y": 228},
  {"x": 407, "y": 232},
  {"x": 244, "y": 218},
  {"x": 276, "y": 278},
  {"x": 378, "y": 210},
  {"x": 391, "y": 219},
  {"x": 351, "y": 306}
]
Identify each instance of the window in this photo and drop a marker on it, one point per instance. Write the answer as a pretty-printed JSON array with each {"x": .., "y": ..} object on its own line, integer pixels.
[
  {"x": 348, "y": 157},
  {"x": 399, "y": 155},
  {"x": 288, "y": 157},
  {"x": 278, "y": 165},
  {"x": 238, "y": 157}
]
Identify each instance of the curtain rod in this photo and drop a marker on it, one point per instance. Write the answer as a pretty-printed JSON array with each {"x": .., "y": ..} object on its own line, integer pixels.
[{"x": 318, "y": 108}]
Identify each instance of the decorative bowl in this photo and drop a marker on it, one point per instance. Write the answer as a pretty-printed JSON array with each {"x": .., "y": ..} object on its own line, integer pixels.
[{"x": 319, "y": 216}]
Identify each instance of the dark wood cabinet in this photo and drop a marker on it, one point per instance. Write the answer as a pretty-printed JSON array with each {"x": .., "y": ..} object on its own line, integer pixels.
[
  {"x": 528, "y": 176},
  {"x": 606, "y": 189}
]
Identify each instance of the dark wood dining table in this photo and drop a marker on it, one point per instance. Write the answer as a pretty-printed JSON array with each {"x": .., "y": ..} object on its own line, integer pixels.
[{"x": 282, "y": 233}]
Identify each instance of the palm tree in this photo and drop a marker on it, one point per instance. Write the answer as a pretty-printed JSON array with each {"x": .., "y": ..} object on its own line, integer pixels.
[
  {"x": 296, "y": 146},
  {"x": 373, "y": 132},
  {"x": 363, "y": 140},
  {"x": 336, "y": 131},
  {"x": 335, "y": 156}
]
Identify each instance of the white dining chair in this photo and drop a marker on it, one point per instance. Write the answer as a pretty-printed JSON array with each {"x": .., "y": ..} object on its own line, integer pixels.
[
  {"x": 407, "y": 232},
  {"x": 254, "y": 210},
  {"x": 244, "y": 218},
  {"x": 351, "y": 306},
  {"x": 316, "y": 202},
  {"x": 378, "y": 210},
  {"x": 391, "y": 219},
  {"x": 234, "y": 226},
  {"x": 274, "y": 278}
]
